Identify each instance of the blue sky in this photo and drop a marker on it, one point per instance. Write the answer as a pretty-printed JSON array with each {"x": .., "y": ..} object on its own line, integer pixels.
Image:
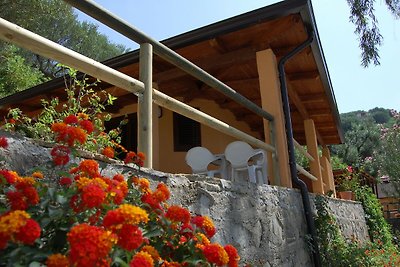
[{"x": 355, "y": 87}]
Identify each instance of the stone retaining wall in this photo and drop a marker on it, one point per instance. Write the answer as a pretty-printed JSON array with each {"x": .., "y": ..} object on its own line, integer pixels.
[{"x": 266, "y": 223}]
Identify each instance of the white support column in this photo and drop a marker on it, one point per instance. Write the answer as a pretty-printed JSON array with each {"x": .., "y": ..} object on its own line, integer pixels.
[{"x": 145, "y": 104}]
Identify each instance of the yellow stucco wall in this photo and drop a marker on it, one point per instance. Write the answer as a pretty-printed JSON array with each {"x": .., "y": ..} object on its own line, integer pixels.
[{"x": 165, "y": 158}]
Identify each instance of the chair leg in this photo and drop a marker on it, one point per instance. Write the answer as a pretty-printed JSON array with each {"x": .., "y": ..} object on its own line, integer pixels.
[{"x": 252, "y": 174}]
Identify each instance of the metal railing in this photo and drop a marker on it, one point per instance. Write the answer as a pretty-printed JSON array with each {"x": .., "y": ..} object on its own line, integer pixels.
[{"x": 42, "y": 46}]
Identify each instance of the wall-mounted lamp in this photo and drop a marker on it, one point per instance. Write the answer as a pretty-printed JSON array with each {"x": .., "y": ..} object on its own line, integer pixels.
[{"x": 159, "y": 112}]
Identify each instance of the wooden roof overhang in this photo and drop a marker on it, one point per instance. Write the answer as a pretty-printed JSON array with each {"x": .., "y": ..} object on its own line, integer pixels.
[{"x": 227, "y": 50}]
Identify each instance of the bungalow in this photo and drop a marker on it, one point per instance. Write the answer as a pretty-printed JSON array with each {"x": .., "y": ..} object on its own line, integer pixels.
[{"x": 263, "y": 55}]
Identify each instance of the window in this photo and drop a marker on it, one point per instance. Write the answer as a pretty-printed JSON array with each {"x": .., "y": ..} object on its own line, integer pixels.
[
  {"x": 186, "y": 133},
  {"x": 128, "y": 130}
]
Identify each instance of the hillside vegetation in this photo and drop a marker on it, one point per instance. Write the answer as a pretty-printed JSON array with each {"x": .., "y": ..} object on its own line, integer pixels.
[{"x": 372, "y": 142}]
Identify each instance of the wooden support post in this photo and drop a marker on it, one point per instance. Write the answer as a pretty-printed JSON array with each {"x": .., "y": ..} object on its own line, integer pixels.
[
  {"x": 326, "y": 153},
  {"x": 331, "y": 180},
  {"x": 145, "y": 101},
  {"x": 312, "y": 148},
  {"x": 271, "y": 101},
  {"x": 325, "y": 174}
]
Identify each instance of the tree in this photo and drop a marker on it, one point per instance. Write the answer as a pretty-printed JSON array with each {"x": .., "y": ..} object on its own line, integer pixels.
[
  {"x": 362, "y": 14},
  {"x": 388, "y": 153},
  {"x": 15, "y": 73},
  {"x": 56, "y": 20},
  {"x": 361, "y": 135}
]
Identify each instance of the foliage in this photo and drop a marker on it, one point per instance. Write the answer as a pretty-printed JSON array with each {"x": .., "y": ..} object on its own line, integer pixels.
[
  {"x": 361, "y": 137},
  {"x": 387, "y": 156},
  {"x": 332, "y": 245},
  {"x": 362, "y": 15},
  {"x": 378, "y": 228},
  {"x": 70, "y": 214},
  {"x": 347, "y": 181},
  {"x": 337, "y": 251},
  {"x": 55, "y": 20},
  {"x": 15, "y": 73},
  {"x": 83, "y": 102}
]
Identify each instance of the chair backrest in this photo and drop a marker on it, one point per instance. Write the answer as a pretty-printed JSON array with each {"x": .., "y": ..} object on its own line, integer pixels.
[
  {"x": 198, "y": 158},
  {"x": 238, "y": 153}
]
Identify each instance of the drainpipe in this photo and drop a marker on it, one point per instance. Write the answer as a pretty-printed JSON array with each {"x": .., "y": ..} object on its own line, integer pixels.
[{"x": 292, "y": 160}]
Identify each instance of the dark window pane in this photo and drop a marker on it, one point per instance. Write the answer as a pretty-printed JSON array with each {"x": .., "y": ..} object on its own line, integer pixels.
[{"x": 186, "y": 133}]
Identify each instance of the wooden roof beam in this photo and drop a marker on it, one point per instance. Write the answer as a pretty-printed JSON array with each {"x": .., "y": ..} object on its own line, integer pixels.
[
  {"x": 302, "y": 110},
  {"x": 211, "y": 63},
  {"x": 301, "y": 76}
]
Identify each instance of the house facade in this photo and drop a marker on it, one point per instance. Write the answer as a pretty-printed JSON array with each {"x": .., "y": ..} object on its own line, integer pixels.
[{"x": 245, "y": 53}]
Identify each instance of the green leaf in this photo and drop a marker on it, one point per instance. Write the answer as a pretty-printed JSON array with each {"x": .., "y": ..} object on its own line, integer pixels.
[{"x": 35, "y": 264}]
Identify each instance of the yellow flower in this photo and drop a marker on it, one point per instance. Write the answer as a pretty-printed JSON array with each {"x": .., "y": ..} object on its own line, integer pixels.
[
  {"x": 12, "y": 222},
  {"x": 133, "y": 214}
]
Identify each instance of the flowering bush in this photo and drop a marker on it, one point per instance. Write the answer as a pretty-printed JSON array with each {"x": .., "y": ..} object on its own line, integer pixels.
[
  {"x": 72, "y": 215},
  {"x": 79, "y": 217}
]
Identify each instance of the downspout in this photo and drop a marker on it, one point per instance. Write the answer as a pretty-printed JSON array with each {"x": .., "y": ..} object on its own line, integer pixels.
[{"x": 292, "y": 160}]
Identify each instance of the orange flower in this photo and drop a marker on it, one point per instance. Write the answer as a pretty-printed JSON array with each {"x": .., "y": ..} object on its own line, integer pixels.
[
  {"x": 124, "y": 214},
  {"x": 57, "y": 260},
  {"x": 89, "y": 167},
  {"x": 9, "y": 176},
  {"x": 90, "y": 245},
  {"x": 206, "y": 224},
  {"x": 152, "y": 251},
  {"x": 37, "y": 175},
  {"x": 216, "y": 254},
  {"x": 171, "y": 264},
  {"x": 142, "y": 259},
  {"x": 108, "y": 152},
  {"x": 162, "y": 192}
]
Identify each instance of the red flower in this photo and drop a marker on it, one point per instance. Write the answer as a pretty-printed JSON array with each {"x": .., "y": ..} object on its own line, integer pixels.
[
  {"x": 31, "y": 195},
  {"x": 93, "y": 196},
  {"x": 130, "y": 237},
  {"x": 60, "y": 155},
  {"x": 178, "y": 214},
  {"x": 233, "y": 255},
  {"x": 3, "y": 142},
  {"x": 28, "y": 233},
  {"x": 10, "y": 177},
  {"x": 129, "y": 157},
  {"x": 151, "y": 201},
  {"x": 119, "y": 177},
  {"x": 71, "y": 119},
  {"x": 87, "y": 126},
  {"x": 65, "y": 181},
  {"x": 16, "y": 200}
]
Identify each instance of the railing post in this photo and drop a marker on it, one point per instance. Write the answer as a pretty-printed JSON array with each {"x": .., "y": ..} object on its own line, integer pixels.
[
  {"x": 312, "y": 148},
  {"x": 145, "y": 104}
]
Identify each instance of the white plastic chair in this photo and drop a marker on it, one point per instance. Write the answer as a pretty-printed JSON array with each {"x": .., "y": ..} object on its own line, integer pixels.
[
  {"x": 198, "y": 158},
  {"x": 243, "y": 158}
]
